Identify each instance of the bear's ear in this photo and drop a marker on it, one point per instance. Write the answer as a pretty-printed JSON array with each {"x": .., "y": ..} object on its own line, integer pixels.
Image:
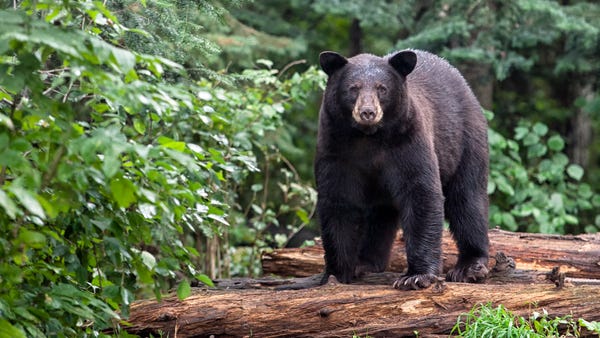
[
  {"x": 331, "y": 61},
  {"x": 404, "y": 62}
]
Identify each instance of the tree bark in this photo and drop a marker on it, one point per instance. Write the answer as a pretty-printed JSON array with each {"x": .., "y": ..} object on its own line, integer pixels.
[
  {"x": 481, "y": 80},
  {"x": 528, "y": 281},
  {"x": 577, "y": 256},
  {"x": 337, "y": 310},
  {"x": 581, "y": 124},
  {"x": 355, "y": 37}
]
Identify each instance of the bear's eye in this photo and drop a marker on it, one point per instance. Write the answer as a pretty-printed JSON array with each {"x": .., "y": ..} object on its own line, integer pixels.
[
  {"x": 354, "y": 88},
  {"x": 381, "y": 89}
]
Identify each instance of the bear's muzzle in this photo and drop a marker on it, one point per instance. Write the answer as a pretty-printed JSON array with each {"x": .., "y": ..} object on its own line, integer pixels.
[{"x": 367, "y": 110}]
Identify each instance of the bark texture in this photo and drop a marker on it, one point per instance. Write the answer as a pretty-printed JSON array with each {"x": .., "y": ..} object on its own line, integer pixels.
[
  {"x": 338, "y": 310},
  {"x": 531, "y": 272},
  {"x": 577, "y": 256}
]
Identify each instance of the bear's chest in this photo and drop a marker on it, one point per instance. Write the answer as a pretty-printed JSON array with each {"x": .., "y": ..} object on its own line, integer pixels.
[
  {"x": 369, "y": 164},
  {"x": 366, "y": 156}
]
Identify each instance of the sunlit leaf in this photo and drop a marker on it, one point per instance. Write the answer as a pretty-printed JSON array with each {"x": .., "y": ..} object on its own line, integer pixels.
[
  {"x": 123, "y": 192},
  {"x": 7, "y": 330},
  {"x": 148, "y": 260},
  {"x": 139, "y": 126},
  {"x": 9, "y": 206},
  {"x": 575, "y": 171},
  {"x": 184, "y": 289},
  {"x": 6, "y": 121},
  {"x": 205, "y": 279},
  {"x": 124, "y": 59},
  {"x": 28, "y": 200},
  {"x": 33, "y": 239}
]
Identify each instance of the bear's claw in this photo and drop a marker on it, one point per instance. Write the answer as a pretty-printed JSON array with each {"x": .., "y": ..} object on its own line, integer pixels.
[
  {"x": 415, "y": 282},
  {"x": 473, "y": 273}
]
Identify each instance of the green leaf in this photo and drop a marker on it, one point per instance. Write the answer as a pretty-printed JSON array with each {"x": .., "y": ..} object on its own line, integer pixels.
[
  {"x": 556, "y": 143},
  {"x": 216, "y": 155},
  {"x": 139, "y": 126},
  {"x": 575, "y": 171},
  {"x": 592, "y": 326},
  {"x": 556, "y": 201},
  {"x": 5, "y": 120},
  {"x": 33, "y": 239},
  {"x": 28, "y": 200},
  {"x": 584, "y": 190},
  {"x": 9, "y": 206},
  {"x": 571, "y": 219},
  {"x": 124, "y": 59},
  {"x": 126, "y": 296},
  {"x": 491, "y": 187},
  {"x": 509, "y": 221},
  {"x": 205, "y": 279},
  {"x": 148, "y": 260},
  {"x": 111, "y": 163},
  {"x": 49, "y": 208},
  {"x": 540, "y": 129},
  {"x": 521, "y": 132},
  {"x": 9, "y": 331},
  {"x": 171, "y": 144},
  {"x": 184, "y": 289},
  {"x": 303, "y": 215},
  {"x": 504, "y": 186},
  {"x": 123, "y": 192},
  {"x": 4, "y": 141},
  {"x": 596, "y": 200}
]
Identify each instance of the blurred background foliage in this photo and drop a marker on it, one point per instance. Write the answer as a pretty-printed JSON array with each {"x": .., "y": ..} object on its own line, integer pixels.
[{"x": 155, "y": 145}]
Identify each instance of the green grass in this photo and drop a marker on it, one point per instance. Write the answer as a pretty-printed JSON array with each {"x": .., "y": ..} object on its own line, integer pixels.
[{"x": 488, "y": 321}]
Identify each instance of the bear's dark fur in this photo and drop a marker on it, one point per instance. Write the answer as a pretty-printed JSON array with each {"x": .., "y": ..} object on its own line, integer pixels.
[{"x": 402, "y": 142}]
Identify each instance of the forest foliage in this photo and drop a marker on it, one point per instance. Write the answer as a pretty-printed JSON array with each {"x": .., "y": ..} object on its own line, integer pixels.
[{"x": 148, "y": 146}]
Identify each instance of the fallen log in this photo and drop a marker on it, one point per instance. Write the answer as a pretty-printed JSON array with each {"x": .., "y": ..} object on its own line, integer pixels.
[
  {"x": 503, "y": 272},
  {"x": 338, "y": 310},
  {"x": 577, "y": 256},
  {"x": 272, "y": 307}
]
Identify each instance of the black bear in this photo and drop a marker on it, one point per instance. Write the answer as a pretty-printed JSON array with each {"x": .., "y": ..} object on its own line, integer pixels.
[{"x": 402, "y": 142}]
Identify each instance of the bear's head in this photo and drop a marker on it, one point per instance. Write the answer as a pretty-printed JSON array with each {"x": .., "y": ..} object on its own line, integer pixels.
[{"x": 368, "y": 88}]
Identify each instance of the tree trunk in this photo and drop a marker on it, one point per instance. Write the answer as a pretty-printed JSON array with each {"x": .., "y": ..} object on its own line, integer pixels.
[
  {"x": 577, "y": 256},
  {"x": 581, "y": 125},
  {"x": 481, "y": 80},
  {"x": 337, "y": 310},
  {"x": 355, "y": 37}
]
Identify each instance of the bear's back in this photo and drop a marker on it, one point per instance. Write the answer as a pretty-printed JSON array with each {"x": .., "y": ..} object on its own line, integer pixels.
[
  {"x": 444, "y": 98},
  {"x": 442, "y": 83}
]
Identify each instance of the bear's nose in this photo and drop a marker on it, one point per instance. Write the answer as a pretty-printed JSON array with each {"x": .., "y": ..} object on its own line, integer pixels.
[{"x": 367, "y": 114}]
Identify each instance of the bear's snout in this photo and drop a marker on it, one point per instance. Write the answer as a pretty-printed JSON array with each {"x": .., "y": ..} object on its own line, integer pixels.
[
  {"x": 367, "y": 110},
  {"x": 367, "y": 114}
]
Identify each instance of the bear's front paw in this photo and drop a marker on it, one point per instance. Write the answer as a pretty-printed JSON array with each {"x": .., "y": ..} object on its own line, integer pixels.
[
  {"x": 475, "y": 272},
  {"x": 415, "y": 282}
]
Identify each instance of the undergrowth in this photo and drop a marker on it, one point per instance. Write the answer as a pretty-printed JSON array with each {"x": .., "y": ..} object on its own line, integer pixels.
[{"x": 488, "y": 321}]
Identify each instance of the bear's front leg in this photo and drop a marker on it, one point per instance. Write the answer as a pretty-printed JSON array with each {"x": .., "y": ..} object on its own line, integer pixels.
[
  {"x": 422, "y": 223},
  {"x": 340, "y": 232}
]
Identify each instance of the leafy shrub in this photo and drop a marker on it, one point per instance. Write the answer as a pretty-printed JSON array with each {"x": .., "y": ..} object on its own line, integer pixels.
[
  {"x": 107, "y": 169},
  {"x": 533, "y": 186}
]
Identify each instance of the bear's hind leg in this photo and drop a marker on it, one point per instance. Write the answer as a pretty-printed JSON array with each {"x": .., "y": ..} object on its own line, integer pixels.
[{"x": 466, "y": 208}]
